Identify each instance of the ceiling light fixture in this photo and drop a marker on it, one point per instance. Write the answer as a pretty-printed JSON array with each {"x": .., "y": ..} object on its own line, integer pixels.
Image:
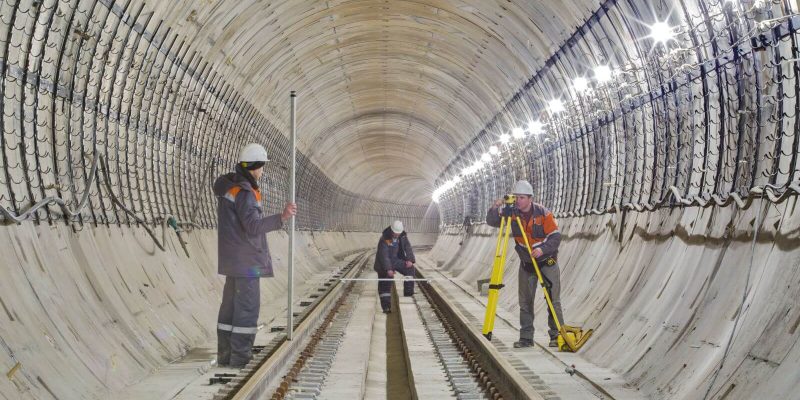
[
  {"x": 602, "y": 73},
  {"x": 661, "y": 32},
  {"x": 580, "y": 84},
  {"x": 556, "y": 106}
]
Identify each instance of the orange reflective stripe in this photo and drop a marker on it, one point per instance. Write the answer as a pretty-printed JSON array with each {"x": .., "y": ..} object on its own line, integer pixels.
[
  {"x": 236, "y": 189},
  {"x": 549, "y": 224}
]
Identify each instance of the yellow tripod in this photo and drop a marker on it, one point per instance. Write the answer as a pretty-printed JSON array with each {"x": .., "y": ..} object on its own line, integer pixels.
[{"x": 570, "y": 338}]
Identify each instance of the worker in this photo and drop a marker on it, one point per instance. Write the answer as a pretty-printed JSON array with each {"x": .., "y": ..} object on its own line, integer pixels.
[
  {"x": 542, "y": 232},
  {"x": 243, "y": 253},
  {"x": 394, "y": 255},
  {"x": 467, "y": 229}
]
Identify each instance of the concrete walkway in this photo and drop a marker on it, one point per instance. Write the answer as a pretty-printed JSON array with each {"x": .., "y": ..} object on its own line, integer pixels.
[{"x": 543, "y": 367}]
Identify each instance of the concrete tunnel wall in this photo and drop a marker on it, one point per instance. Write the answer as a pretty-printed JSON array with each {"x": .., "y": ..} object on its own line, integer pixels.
[
  {"x": 665, "y": 299},
  {"x": 159, "y": 88},
  {"x": 92, "y": 312}
]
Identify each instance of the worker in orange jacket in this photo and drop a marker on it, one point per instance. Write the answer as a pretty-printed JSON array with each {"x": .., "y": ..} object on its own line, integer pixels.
[{"x": 542, "y": 232}]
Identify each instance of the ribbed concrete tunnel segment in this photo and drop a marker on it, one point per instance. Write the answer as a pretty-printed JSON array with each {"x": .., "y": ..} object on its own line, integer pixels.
[{"x": 662, "y": 135}]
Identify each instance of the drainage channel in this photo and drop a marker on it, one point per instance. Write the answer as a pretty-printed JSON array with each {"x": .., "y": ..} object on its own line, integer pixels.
[{"x": 247, "y": 382}]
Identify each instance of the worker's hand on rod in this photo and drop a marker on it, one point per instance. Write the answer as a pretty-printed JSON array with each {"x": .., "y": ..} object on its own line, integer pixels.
[{"x": 289, "y": 211}]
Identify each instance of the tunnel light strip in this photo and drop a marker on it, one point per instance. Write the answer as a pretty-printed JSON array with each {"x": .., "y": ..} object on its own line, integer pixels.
[
  {"x": 534, "y": 128},
  {"x": 661, "y": 32},
  {"x": 764, "y": 34}
]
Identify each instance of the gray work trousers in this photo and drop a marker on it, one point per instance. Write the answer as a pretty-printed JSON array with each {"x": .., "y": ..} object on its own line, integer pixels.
[
  {"x": 385, "y": 287},
  {"x": 527, "y": 290},
  {"x": 238, "y": 320}
]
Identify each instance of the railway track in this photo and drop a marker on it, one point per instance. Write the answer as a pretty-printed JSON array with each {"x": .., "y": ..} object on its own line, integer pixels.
[{"x": 457, "y": 361}]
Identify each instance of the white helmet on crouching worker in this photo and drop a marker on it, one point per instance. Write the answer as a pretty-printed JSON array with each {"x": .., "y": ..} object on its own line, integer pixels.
[
  {"x": 523, "y": 187},
  {"x": 397, "y": 227},
  {"x": 253, "y": 155}
]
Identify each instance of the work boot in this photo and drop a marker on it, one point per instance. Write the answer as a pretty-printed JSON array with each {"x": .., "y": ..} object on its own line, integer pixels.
[
  {"x": 553, "y": 343},
  {"x": 238, "y": 365},
  {"x": 523, "y": 343},
  {"x": 387, "y": 311}
]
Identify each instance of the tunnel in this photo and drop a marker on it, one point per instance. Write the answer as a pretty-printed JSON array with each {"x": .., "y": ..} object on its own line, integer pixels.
[{"x": 661, "y": 135}]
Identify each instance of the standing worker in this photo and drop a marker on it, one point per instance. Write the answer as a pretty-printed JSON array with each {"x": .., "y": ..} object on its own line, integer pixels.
[
  {"x": 544, "y": 238},
  {"x": 243, "y": 254},
  {"x": 394, "y": 254}
]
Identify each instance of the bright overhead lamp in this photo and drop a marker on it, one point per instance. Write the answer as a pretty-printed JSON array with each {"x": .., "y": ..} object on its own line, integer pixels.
[
  {"x": 602, "y": 73},
  {"x": 505, "y": 138},
  {"x": 580, "y": 84},
  {"x": 486, "y": 157},
  {"x": 661, "y": 32},
  {"x": 518, "y": 133},
  {"x": 536, "y": 128},
  {"x": 556, "y": 105},
  {"x": 494, "y": 150},
  {"x": 436, "y": 194}
]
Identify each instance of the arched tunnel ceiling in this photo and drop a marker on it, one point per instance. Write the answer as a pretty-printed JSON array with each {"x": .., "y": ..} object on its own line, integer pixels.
[{"x": 388, "y": 91}]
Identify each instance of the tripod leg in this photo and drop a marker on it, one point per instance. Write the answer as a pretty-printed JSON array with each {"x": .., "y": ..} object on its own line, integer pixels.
[{"x": 495, "y": 283}]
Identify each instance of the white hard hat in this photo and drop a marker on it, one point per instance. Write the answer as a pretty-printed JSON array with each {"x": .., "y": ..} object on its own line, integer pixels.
[
  {"x": 397, "y": 227},
  {"x": 523, "y": 187},
  {"x": 253, "y": 152}
]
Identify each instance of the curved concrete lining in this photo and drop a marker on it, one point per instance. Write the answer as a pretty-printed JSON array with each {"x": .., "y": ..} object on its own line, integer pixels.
[
  {"x": 401, "y": 102},
  {"x": 665, "y": 300},
  {"x": 93, "y": 312}
]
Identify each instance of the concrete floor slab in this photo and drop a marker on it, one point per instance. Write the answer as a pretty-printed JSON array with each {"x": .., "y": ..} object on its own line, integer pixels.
[
  {"x": 376, "y": 369},
  {"x": 347, "y": 378}
]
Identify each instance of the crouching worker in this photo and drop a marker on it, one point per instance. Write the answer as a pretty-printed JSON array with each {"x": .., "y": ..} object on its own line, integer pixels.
[
  {"x": 243, "y": 254},
  {"x": 394, "y": 255}
]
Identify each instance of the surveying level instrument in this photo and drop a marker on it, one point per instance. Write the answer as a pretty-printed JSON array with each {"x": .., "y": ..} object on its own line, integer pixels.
[{"x": 570, "y": 338}]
